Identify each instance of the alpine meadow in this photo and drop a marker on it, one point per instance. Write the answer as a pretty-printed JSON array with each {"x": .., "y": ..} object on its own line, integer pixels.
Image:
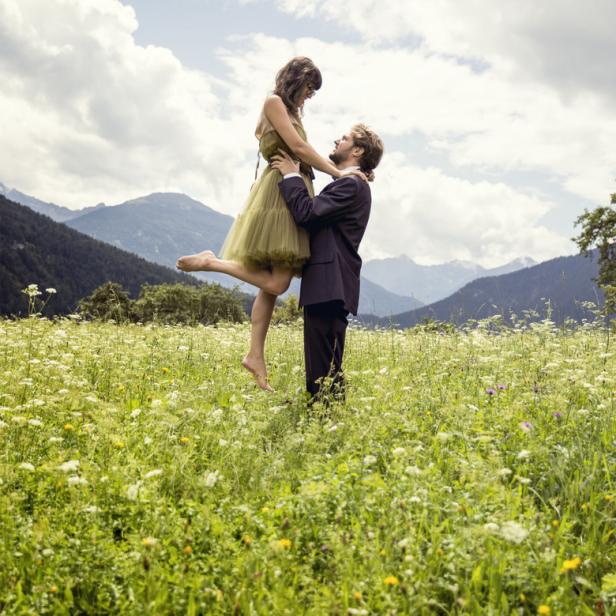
[{"x": 469, "y": 472}]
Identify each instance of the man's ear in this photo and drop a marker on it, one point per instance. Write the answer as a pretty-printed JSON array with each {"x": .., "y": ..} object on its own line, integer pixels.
[{"x": 358, "y": 152}]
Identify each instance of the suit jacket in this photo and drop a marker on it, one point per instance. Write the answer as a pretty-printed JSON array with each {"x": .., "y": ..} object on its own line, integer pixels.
[{"x": 336, "y": 220}]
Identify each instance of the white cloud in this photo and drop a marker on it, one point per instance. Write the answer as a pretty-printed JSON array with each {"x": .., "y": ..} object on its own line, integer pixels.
[
  {"x": 88, "y": 115},
  {"x": 433, "y": 218}
]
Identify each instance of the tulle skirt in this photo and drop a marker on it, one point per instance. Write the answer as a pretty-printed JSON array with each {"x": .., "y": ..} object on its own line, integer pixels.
[{"x": 265, "y": 235}]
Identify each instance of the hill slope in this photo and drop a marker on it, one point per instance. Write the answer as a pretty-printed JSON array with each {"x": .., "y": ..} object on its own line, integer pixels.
[
  {"x": 564, "y": 281},
  {"x": 35, "y": 249}
]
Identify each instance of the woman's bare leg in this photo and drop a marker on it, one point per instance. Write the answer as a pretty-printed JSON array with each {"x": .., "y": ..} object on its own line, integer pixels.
[
  {"x": 260, "y": 317},
  {"x": 271, "y": 284},
  {"x": 274, "y": 282}
]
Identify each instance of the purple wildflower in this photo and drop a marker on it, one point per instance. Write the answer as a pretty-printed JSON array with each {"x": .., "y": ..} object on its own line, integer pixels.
[
  {"x": 557, "y": 415},
  {"x": 490, "y": 391},
  {"x": 526, "y": 426},
  {"x": 502, "y": 387}
]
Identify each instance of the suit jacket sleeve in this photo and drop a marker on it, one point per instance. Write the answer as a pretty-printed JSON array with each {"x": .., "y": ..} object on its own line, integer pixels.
[{"x": 327, "y": 208}]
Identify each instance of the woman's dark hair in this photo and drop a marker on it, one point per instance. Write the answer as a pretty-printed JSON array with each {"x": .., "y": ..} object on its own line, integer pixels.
[{"x": 292, "y": 78}]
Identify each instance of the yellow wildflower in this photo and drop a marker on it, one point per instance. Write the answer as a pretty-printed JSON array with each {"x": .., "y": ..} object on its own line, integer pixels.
[
  {"x": 247, "y": 539},
  {"x": 522, "y": 598},
  {"x": 285, "y": 544},
  {"x": 555, "y": 523},
  {"x": 53, "y": 588},
  {"x": 543, "y": 609},
  {"x": 69, "y": 427},
  {"x": 391, "y": 580},
  {"x": 357, "y": 595},
  {"x": 571, "y": 564},
  {"x": 165, "y": 370},
  {"x": 184, "y": 440},
  {"x": 149, "y": 542},
  {"x": 187, "y": 549}
]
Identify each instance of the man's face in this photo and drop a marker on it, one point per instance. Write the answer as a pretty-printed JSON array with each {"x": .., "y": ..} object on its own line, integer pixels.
[{"x": 342, "y": 149}]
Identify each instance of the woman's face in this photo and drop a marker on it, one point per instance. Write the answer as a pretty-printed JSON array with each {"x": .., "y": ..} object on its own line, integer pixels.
[{"x": 306, "y": 93}]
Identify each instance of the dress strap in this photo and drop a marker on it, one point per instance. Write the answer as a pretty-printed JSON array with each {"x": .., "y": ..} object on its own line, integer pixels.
[{"x": 258, "y": 160}]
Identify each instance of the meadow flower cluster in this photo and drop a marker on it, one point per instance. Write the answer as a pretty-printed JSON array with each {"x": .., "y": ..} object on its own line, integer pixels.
[{"x": 467, "y": 472}]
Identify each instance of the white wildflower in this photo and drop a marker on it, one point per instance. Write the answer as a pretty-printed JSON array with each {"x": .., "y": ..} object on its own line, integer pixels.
[
  {"x": 503, "y": 472},
  {"x": 69, "y": 467},
  {"x": 55, "y": 439},
  {"x": 210, "y": 479},
  {"x": 154, "y": 473},
  {"x": 26, "y": 466},
  {"x": 369, "y": 460},
  {"x": 399, "y": 451},
  {"x": 523, "y": 454},
  {"x": 50, "y": 290},
  {"x": 76, "y": 480},
  {"x": 91, "y": 509},
  {"x": 132, "y": 492},
  {"x": 148, "y": 440},
  {"x": 514, "y": 532},
  {"x": 412, "y": 471},
  {"x": 443, "y": 436},
  {"x": 135, "y": 413},
  {"x": 35, "y": 422},
  {"x": 222, "y": 442},
  {"x": 491, "y": 527}
]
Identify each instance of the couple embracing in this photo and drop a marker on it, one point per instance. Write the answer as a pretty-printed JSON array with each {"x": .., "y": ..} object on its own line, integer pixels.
[{"x": 285, "y": 230}]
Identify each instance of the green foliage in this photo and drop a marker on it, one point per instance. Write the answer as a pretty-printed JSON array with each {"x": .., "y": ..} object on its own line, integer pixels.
[
  {"x": 288, "y": 311},
  {"x": 599, "y": 230},
  {"x": 108, "y": 302},
  {"x": 142, "y": 472},
  {"x": 167, "y": 303},
  {"x": 206, "y": 304}
]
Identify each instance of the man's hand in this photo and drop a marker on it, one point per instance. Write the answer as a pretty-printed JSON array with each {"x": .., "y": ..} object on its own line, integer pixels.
[{"x": 284, "y": 163}]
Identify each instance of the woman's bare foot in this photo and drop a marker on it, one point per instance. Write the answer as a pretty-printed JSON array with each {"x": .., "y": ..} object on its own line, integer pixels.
[
  {"x": 200, "y": 262},
  {"x": 258, "y": 370}
]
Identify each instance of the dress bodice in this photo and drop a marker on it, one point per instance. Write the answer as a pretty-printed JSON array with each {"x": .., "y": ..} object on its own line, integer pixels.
[{"x": 270, "y": 141}]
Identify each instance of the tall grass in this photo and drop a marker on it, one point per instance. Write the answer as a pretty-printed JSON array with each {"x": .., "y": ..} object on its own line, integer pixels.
[{"x": 468, "y": 472}]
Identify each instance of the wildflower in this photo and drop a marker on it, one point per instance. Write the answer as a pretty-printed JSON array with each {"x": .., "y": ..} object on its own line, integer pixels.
[
  {"x": 69, "y": 427},
  {"x": 569, "y": 565},
  {"x": 31, "y": 290},
  {"x": 284, "y": 544},
  {"x": 503, "y": 472},
  {"x": 187, "y": 549},
  {"x": 165, "y": 370},
  {"x": 70, "y": 466},
  {"x": 490, "y": 391},
  {"x": 369, "y": 460},
  {"x": 132, "y": 492},
  {"x": 26, "y": 466},
  {"x": 76, "y": 480},
  {"x": 522, "y": 598},
  {"x": 391, "y": 580},
  {"x": 557, "y": 415},
  {"x": 412, "y": 470},
  {"x": 211, "y": 479},
  {"x": 50, "y": 290},
  {"x": 91, "y": 509},
  {"x": 526, "y": 426},
  {"x": 119, "y": 444},
  {"x": 523, "y": 454},
  {"x": 154, "y": 473},
  {"x": 53, "y": 588},
  {"x": 544, "y": 610},
  {"x": 514, "y": 532},
  {"x": 184, "y": 440},
  {"x": 399, "y": 451},
  {"x": 502, "y": 387},
  {"x": 149, "y": 542},
  {"x": 35, "y": 422},
  {"x": 555, "y": 523},
  {"x": 357, "y": 595},
  {"x": 247, "y": 540}
]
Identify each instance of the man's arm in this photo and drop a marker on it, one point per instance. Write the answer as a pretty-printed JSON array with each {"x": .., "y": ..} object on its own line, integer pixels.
[{"x": 325, "y": 209}]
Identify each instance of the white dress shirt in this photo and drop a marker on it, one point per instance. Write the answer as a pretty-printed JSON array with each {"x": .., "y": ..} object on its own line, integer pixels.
[{"x": 344, "y": 171}]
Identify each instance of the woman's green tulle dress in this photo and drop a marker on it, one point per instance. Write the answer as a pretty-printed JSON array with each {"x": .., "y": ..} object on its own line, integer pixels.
[{"x": 265, "y": 235}]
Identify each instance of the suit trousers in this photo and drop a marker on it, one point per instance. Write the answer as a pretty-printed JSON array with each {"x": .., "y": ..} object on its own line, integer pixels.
[{"x": 324, "y": 333}]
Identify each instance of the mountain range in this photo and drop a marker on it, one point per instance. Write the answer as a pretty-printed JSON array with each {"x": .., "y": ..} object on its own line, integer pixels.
[
  {"x": 36, "y": 249},
  {"x": 431, "y": 283},
  {"x": 564, "y": 282}
]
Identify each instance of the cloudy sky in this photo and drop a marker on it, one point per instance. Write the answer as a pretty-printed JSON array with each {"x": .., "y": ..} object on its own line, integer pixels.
[{"x": 499, "y": 117}]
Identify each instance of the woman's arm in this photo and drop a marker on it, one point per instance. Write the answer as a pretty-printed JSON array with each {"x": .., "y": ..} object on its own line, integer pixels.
[{"x": 278, "y": 116}]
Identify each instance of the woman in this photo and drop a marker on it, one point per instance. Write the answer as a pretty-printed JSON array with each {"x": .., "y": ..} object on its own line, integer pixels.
[{"x": 264, "y": 246}]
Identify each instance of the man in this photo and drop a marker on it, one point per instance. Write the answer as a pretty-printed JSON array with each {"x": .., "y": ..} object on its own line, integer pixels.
[{"x": 336, "y": 220}]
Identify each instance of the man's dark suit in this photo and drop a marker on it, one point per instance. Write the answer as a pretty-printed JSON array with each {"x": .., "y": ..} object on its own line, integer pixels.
[{"x": 336, "y": 220}]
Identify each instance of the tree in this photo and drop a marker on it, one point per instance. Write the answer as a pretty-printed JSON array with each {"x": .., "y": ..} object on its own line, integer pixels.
[
  {"x": 599, "y": 230},
  {"x": 109, "y": 301},
  {"x": 288, "y": 312}
]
